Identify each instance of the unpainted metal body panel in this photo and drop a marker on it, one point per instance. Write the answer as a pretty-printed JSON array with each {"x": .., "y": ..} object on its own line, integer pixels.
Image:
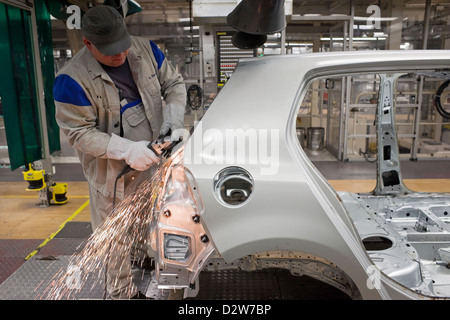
[{"x": 292, "y": 212}]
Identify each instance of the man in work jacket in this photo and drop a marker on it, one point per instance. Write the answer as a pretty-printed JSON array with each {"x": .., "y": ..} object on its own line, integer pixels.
[{"x": 109, "y": 104}]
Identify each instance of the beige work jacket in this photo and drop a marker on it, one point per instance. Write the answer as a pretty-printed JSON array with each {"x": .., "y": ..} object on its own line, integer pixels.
[{"x": 88, "y": 107}]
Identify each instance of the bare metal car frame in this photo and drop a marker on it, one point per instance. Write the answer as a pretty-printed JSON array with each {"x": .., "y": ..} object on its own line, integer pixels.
[{"x": 290, "y": 217}]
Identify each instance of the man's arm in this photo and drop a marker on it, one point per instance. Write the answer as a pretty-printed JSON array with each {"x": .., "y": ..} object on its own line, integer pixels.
[
  {"x": 76, "y": 117},
  {"x": 173, "y": 90},
  {"x": 78, "y": 120}
]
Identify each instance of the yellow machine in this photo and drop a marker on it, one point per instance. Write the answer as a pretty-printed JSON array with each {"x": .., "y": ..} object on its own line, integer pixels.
[
  {"x": 49, "y": 192},
  {"x": 35, "y": 178}
]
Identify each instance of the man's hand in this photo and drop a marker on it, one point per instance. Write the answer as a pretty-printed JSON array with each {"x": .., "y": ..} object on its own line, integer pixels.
[
  {"x": 173, "y": 115},
  {"x": 136, "y": 154},
  {"x": 140, "y": 157}
]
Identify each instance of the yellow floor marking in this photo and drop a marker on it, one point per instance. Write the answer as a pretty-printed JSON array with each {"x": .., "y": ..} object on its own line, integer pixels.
[{"x": 59, "y": 229}]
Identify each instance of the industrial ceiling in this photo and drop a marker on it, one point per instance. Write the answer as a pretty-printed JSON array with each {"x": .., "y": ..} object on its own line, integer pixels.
[{"x": 168, "y": 21}]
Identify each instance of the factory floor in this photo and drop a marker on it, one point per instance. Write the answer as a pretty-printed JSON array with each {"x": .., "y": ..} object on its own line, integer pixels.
[{"x": 36, "y": 242}]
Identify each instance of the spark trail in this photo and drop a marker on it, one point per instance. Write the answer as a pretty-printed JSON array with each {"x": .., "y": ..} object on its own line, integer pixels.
[{"x": 127, "y": 225}]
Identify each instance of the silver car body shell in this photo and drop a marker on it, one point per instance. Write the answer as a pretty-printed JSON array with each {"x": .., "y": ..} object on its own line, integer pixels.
[{"x": 292, "y": 211}]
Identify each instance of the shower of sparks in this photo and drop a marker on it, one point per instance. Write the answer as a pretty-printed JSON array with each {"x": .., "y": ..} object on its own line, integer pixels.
[{"x": 127, "y": 225}]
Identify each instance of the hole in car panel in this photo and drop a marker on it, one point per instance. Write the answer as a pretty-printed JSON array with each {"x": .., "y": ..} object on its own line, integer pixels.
[
  {"x": 386, "y": 153},
  {"x": 377, "y": 243},
  {"x": 233, "y": 186},
  {"x": 390, "y": 178},
  {"x": 176, "y": 247}
]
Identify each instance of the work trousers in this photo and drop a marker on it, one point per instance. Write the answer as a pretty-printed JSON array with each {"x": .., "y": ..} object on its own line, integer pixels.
[{"x": 119, "y": 278}]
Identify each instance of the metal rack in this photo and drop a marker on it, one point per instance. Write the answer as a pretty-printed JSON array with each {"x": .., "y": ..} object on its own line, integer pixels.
[{"x": 346, "y": 108}]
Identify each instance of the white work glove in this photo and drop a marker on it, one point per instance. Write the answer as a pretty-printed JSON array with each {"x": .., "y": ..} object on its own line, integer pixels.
[
  {"x": 136, "y": 154},
  {"x": 173, "y": 115}
]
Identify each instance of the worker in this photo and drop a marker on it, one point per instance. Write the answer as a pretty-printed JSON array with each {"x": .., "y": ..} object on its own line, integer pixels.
[{"x": 112, "y": 98}]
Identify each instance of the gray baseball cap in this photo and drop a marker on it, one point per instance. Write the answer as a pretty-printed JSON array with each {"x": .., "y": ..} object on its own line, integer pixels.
[{"x": 105, "y": 27}]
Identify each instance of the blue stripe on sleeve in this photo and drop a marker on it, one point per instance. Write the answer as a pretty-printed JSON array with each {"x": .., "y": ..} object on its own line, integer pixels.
[
  {"x": 67, "y": 90},
  {"x": 159, "y": 55}
]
